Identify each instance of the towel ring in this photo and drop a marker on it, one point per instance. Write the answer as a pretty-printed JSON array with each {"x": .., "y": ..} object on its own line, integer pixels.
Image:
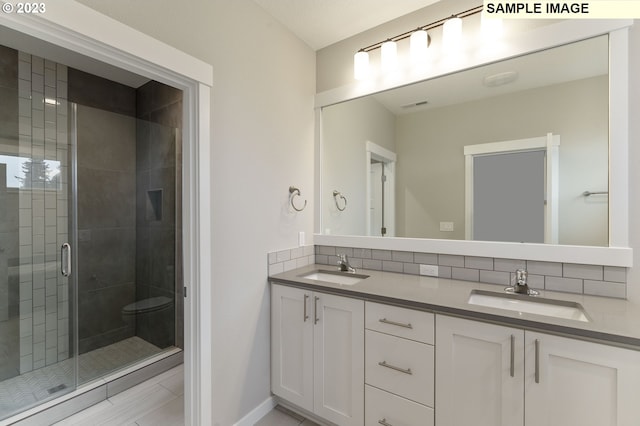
[
  {"x": 337, "y": 194},
  {"x": 293, "y": 192}
]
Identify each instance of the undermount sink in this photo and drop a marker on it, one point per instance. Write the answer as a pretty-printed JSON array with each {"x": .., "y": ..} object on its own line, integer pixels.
[
  {"x": 336, "y": 277},
  {"x": 529, "y": 304}
]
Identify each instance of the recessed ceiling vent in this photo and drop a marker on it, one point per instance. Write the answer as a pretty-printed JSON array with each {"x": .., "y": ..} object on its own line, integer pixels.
[
  {"x": 500, "y": 79},
  {"x": 414, "y": 104}
]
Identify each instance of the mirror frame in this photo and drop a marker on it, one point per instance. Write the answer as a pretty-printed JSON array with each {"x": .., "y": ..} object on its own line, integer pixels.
[{"x": 618, "y": 253}]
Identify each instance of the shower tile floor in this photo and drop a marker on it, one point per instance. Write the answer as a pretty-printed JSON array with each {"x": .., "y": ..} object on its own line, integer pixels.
[{"x": 34, "y": 386}]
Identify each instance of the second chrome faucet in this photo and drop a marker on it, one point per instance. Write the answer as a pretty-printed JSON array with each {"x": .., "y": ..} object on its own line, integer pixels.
[{"x": 344, "y": 265}]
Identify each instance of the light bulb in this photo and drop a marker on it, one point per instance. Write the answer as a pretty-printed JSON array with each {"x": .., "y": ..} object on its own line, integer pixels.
[
  {"x": 389, "y": 56},
  {"x": 418, "y": 46},
  {"x": 452, "y": 33},
  {"x": 361, "y": 65}
]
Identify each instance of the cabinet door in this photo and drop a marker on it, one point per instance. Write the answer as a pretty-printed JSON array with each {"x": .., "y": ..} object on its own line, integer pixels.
[
  {"x": 479, "y": 374},
  {"x": 339, "y": 359},
  {"x": 580, "y": 383},
  {"x": 292, "y": 345}
]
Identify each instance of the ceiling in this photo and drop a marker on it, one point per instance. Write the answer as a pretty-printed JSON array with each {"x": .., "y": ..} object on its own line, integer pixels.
[
  {"x": 575, "y": 61},
  {"x": 320, "y": 23}
]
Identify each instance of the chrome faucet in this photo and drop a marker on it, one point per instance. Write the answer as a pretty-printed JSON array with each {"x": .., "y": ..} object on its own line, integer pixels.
[
  {"x": 343, "y": 264},
  {"x": 521, "y": 286}
]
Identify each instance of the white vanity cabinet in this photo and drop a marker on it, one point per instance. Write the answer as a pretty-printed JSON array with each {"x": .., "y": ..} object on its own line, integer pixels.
[
  {"x": 399, "y": 367},
  {"x": 479, "y": 373},
  {"x": 317, "y": 353},
  {"x": 494, "y": 375}
]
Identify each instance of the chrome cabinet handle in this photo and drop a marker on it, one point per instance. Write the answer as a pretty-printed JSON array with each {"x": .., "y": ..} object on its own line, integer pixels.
[
  {"x": 315, "y": 310},
  {"x": 305, "y": 316},
  {"x": 393, "y": 367},
  {"x": 65, "y": 259},
  {"x": 399, "y": 324},
  {"x": 383, "y": 422},
  {"x": 513, "y": 356},
  {"x": 537, "y": 361}
]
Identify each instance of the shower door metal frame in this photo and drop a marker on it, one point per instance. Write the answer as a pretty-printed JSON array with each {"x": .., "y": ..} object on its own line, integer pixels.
[{"x": 80, "y": 29}]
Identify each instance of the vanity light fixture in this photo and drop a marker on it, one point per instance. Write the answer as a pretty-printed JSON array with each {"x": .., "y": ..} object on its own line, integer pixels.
[
  {"x": 389, "y": 56},
  {"x": 452, "y": 33},
  {"x": 419, "y": 43},
  {"x": 418, "y": 46},
  {"x": 361, "y": 65}
]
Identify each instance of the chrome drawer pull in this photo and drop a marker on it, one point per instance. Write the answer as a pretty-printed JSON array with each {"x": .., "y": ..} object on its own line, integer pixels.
[
  {"x": 393, "y": 367},
  {"x": 383, "y": 422},
  {"x": 399, "y": 324}
]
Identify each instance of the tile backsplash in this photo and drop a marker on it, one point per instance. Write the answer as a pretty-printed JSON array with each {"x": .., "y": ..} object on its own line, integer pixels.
[
  {"x": 596, "y": 280},
  {"x": 286, "y": 260}
]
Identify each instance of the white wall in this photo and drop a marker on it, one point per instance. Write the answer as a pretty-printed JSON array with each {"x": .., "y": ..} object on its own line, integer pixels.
[
  {"x": 262, "y": 142},
  {"x": 346, "y": 128},
  {"x": 431, "y": 167}
]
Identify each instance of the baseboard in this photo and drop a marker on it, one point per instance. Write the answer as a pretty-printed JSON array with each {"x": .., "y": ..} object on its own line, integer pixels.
[{"x": 257, "y": 413}]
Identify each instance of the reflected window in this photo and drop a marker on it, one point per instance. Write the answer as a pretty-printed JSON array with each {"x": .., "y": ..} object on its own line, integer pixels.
[{"x": 29, "y": 173}]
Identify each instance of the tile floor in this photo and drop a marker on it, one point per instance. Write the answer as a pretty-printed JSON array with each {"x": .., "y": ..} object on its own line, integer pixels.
[
  {"x": 160, "y": 402},
  {"x": 40, "y": 384},
  {"x": 157, "y": 402},
  {"x": 280, "y": 416}
]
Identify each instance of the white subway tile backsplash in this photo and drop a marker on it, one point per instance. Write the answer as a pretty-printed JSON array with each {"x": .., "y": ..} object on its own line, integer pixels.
[
  {"x": 327, "y": 251},
  {"x": 615, "y": 274},
  {"x": 568, "y": 285},
  {"x": 485, "y": 263},
  {"x": 544, "y": 268},
  {"x": 276, "y": 268},
  {"x": 605, "y": 288},
  {"x": 391, "y": 266},
  {"x": 591, "y": 272},
  {"x": 283, "y": 255},
  {"x": 451, "y": 260},
  {"x": 465, "y": 274},
  {"x": 495, "y": 277},
  {"x": 381, "y": 254},
  {"x": 425, "y": 258},
  {"x": 444, "y": 271},
  {"x": 374, "y": 264},
  {"x": 402, "y": 256},
  {"x": 555, "y": 276},
  {"x": 290, "y": 264}
]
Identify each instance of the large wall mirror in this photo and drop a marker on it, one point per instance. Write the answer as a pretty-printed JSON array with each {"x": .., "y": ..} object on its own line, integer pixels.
[{"x": 394, "y": 164}]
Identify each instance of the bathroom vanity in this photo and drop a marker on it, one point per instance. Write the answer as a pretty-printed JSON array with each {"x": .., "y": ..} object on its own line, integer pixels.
[{"x": 398, "y": 349}]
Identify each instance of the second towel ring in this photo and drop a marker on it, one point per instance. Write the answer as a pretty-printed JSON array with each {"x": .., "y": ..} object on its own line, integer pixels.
[
  {"x": 293, "y": 192},
  {"x": 337, "y": 194}
]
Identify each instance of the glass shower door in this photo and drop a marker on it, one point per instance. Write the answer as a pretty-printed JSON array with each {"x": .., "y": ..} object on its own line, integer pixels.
[{"x": 36, "y": 301}]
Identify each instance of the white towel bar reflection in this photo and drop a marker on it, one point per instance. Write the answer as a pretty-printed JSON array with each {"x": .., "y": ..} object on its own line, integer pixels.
[
  {"x": 337, "y": 194},
  {"x": 295, "y": 192},
  {"x": 589, "y": 193}
]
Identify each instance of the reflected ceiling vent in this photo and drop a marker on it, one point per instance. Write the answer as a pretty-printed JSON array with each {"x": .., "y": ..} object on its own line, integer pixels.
[
  {"x": 501, "y": 79},
  {"x": 414, "y": 104}
]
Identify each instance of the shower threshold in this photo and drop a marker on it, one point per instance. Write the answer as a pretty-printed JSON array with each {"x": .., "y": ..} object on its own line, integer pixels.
[{"x": 86, "y": 394}]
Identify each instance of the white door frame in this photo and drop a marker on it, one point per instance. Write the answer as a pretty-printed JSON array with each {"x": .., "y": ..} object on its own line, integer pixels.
[
  {"x": 550, "y": 144},
  {"x": 376, "y": 152},
  {"x": 81, "y": 29}
]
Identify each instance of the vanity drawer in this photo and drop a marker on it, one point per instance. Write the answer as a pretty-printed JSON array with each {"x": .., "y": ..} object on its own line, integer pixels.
[
  {"x": 400, "y": 366},
  {"x": 383, "y": 407},
  {"x": 407, "y": 323}
]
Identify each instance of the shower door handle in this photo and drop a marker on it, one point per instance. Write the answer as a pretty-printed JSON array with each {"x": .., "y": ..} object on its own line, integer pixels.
[{"x": 65, "y": 259}]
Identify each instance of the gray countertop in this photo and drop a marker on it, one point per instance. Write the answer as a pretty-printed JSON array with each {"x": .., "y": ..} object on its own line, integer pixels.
[{"x": 612, "y": 321}]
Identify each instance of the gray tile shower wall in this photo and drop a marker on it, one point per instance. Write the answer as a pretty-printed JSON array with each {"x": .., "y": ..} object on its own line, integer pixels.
[
  {"x": 158, "y": 216},
  {"x": 106, "y": 207},
  {"x": 594, "y": 280},
  {"x": 9, "y": 218}
]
